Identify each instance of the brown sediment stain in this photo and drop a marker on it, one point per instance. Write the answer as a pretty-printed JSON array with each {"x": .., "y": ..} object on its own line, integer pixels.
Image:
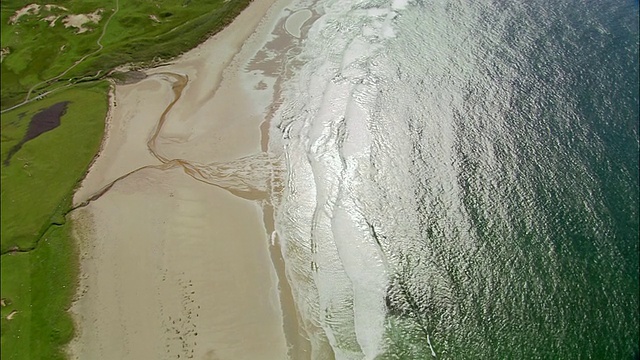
[
  {"x": 108, "y": 187},
  {"x": 247, "y": 177},
  {"x": 257, "y": 177},
  {"x": 178, "y": 86},
  {"x": 46, "y": 120}
]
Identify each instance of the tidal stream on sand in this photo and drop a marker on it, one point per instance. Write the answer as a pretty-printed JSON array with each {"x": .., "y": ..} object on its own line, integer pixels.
[{"x": 450, "y": 180}]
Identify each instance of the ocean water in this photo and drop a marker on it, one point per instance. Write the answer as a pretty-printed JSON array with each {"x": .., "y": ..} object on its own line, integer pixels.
[{"x": 462, "y": 179}]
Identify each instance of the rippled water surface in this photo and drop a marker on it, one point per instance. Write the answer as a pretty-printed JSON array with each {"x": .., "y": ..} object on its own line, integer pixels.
[{"x": 462, "y": 179}]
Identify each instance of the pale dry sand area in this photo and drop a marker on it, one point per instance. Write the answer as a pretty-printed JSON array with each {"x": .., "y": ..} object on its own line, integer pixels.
[{"x": 174, "y": 223}]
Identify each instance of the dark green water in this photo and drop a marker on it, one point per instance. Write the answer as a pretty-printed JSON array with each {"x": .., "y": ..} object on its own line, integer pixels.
[
  {"x": 524, "y": 133},
  {"x": 462, "y": 179}
]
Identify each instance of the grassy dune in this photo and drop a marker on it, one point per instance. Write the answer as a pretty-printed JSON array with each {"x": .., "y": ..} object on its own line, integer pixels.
[
  {"x": 38, "y": 256},
  {"x": 140, "y": 31}
]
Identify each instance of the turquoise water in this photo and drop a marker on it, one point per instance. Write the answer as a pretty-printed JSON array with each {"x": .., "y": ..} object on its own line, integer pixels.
[{"x": 463, "y": 179}]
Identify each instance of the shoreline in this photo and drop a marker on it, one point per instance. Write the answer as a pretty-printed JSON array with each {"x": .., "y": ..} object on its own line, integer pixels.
[{"x": 153, "y": 243}]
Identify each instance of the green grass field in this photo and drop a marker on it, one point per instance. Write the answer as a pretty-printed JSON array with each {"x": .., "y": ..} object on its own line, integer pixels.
[
  {"x": 36, "y": 192},
  {"x": 40, "y": 285},
  {"x": 139, "y": 32},
  {"x": 38, "y": 185},
  {"x": 38, "y": 258}
]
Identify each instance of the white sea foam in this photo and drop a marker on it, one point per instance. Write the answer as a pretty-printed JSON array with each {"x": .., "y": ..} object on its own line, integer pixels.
[
  {"x": 399, "y": 4},
  {"x": 338, "y": 270},
  {"x": 415, "y": 174}
]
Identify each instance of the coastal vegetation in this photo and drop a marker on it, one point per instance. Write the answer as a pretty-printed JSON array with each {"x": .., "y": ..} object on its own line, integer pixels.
[
  {"x": 142, "y": 32},
  {"x": 60, "y": 56}
]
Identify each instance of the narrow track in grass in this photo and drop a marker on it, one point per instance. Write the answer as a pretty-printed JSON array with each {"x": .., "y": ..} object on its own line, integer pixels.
[{"x": 28, "y": 98}]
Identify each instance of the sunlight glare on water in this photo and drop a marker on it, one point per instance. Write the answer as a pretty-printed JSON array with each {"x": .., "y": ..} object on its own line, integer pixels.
[{"x": 462, "y": 179}]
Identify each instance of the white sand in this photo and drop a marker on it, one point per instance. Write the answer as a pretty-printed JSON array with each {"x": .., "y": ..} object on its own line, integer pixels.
[{"x": 172, "y": 266}]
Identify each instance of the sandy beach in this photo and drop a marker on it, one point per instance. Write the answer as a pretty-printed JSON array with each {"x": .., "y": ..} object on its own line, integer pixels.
[{"x": 174, "y": 221}]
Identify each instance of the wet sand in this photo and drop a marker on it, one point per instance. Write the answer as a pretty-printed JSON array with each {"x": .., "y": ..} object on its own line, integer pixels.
[{"x": 174, "y": 218}]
